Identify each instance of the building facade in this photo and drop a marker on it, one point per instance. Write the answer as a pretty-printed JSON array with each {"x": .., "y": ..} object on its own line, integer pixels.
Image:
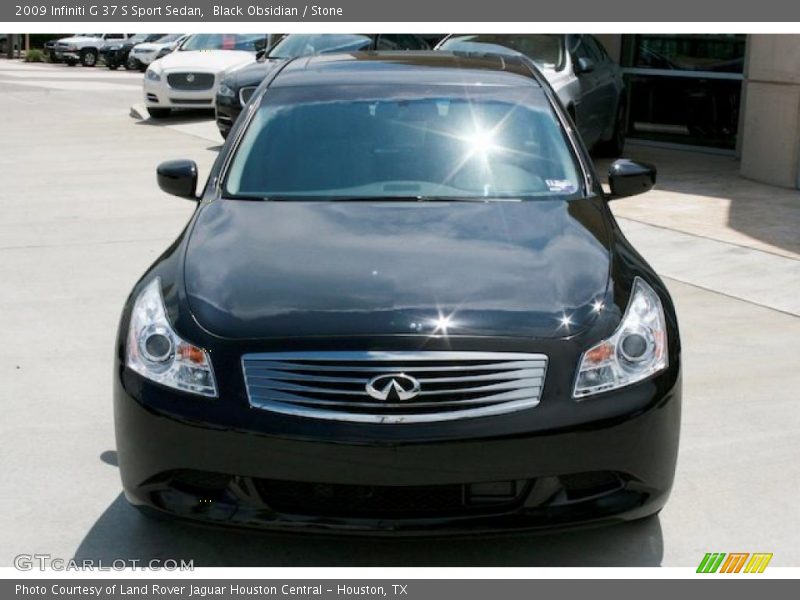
[{"x": 728, "y": 93}]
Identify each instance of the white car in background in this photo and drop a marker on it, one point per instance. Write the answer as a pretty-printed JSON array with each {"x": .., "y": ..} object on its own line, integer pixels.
[
  {"x": 189, "y": 76},
  {"x": 145, "y": 53}
]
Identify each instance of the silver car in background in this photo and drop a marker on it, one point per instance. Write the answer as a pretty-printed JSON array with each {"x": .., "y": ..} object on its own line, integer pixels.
[
  {"x": 143, "y": 54},
  {"x": 587, "y": 81}
]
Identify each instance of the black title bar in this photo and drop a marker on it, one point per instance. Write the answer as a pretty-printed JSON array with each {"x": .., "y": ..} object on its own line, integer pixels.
[{"x": 445, "y": 11}]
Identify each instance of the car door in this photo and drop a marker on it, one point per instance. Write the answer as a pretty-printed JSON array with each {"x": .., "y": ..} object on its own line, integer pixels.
[
  {"x": 607, "y": 79},
  {"x": 589, "y": 105}
]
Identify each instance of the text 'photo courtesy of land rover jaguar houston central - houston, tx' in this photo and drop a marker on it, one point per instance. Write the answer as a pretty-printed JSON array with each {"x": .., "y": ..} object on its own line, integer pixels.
[{"x": 401, "y": 305}]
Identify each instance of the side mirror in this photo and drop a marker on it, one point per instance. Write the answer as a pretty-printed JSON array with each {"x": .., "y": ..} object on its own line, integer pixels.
[
  {"x": 178, "y": 177},
  {"x": 628, "y": 178},
  {"x": 584, "y": 65}
]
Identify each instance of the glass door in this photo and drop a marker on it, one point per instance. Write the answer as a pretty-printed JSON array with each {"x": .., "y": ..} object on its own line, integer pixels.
[{"x": 684, "y": 89}]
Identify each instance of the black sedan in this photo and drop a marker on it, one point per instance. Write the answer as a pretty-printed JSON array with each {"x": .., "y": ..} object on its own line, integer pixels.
[
  {"x": 237, "y": 87},
  {"x": 401, "y": 305},
  {"x": 116, "y": 54}
]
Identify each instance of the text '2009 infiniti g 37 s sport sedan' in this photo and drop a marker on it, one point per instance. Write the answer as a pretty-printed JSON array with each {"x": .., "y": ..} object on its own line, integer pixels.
[{"x": 401, "y": 305}]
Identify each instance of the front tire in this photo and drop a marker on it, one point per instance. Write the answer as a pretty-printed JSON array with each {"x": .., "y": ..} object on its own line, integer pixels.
[
  {"x": 89, "y": 57},
  {"x": 159, "y": 113}
]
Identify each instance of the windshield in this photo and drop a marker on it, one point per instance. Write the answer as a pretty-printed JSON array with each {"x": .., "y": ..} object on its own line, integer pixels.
[
  {"x": 144, "y": 37},
  {"x": 424, "y": 142},
  {"x": 170, "y": 37},
  {"x": 299, "y": 44},
  {"x": 224, "y": 41},
  {"x": 546, "y": 50}
]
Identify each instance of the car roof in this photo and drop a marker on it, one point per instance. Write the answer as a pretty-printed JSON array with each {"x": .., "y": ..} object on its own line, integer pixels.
[{"x": 406, "y": 67}]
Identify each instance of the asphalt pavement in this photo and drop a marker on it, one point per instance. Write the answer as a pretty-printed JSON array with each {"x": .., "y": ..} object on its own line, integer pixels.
[{"x": 82, "y": 218}]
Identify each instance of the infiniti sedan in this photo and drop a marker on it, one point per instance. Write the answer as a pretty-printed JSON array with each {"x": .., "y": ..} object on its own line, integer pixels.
[
  {"x": 401, "y": 305},
  {"x": 586, "y": 80}
]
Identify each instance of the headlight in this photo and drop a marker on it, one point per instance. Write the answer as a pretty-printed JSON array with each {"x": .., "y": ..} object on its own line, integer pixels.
[
  {"x": 156, "y": 352},
  {"x": 116, "y": 47},
  {"x": 225, "y": 91},
  {"x": 152, "y": 75},
  {"x": 637, "y": 349}
]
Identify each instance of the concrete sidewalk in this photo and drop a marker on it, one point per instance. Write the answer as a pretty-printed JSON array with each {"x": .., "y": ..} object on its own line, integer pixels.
[
  {"x": 707, "y": 226},
  {"x": 704, "y": 195}
]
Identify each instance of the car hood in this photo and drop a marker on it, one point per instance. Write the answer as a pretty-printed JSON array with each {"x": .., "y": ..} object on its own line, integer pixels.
[
  {"x": 253, "y": 74},
  {"x": 209, "y": 61},
  {"x": 77, "y": 40},
  {"x": 284, "y": 269},
  {"x": 150, "y": 46}
]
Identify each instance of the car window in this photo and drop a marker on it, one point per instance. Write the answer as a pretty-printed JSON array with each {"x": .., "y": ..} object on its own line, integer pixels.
[
  {"x": 546, "y": 50},
  {"x": 581, "y": 49},
  {"x": 139, "y": 38},
  {"x": 224, "y": 41},
  {"x": 299, "y": 44},
  {"x": 401, "y": 41},
  {"x": 170, "y": 37},
  {"x": 115, "y": 36},
  {"x": 578, "y": 49},
  {"x": 595, "y": 48},
  {"x": 329, "y": 142}
]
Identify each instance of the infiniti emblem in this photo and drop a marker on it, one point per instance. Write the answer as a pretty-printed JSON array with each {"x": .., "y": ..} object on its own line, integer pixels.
[
  {"x": 393, "y": 386},
  {"x": 190, "y": 77}
]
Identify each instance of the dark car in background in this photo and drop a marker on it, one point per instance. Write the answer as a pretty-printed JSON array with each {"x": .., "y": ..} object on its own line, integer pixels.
[
  {"x": 585, "y": 78},
  {"x": 401, "y": 305},
  {"x": 117, "y": 54},
  {"x": 239, "y": 84},
  {"x": 50, "y": 50}
]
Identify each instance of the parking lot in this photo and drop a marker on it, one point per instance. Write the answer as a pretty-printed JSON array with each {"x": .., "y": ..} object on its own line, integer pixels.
[{"x": 82, "y": 218}]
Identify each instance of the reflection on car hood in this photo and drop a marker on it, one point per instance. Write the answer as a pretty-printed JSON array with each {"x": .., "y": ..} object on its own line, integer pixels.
[
  {"x": 282, "y": 269},
  {"x": 213, "y": 61}
]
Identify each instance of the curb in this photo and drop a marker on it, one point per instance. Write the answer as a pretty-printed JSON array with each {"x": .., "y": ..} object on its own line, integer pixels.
[{"x": 139, "y": 112}]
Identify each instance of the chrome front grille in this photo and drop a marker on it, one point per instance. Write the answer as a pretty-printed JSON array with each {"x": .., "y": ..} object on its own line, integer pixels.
[{"x": 449, "y": 385}]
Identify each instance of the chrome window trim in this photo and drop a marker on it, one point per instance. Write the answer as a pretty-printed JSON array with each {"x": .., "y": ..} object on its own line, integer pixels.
[{"x": 242, "y": 101}]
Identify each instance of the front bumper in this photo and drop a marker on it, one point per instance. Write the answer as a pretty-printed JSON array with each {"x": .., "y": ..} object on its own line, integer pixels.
[
  {"x": 113, "y": 58},
  {"x": 158, "y": 94},
  {"x": 608, "y": 470},
  {"x": 143, "y": 58},
  {"x": 68, "y": 55},
  {"x": 227, "y": 110}
]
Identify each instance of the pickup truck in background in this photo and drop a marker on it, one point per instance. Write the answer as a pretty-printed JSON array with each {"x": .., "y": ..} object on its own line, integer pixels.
[{"x": 84, "y": 48}]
